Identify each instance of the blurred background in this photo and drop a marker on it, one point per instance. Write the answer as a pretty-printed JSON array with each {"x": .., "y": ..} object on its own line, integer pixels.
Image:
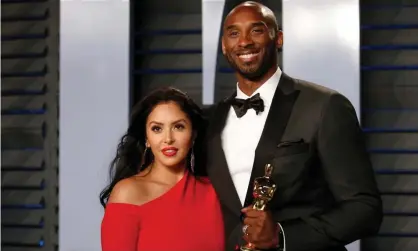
[{"x": 72, "y": 69}]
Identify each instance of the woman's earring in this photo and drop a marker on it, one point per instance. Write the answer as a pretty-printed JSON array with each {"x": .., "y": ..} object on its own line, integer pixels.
[
  {"x": 192, "y": 161},
  {"x": 144, "y": 156}
]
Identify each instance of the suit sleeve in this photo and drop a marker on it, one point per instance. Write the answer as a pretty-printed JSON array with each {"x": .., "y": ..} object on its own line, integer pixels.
[
  {"x": 350, "y": 177},
  {"x": 208, "y": 111}
]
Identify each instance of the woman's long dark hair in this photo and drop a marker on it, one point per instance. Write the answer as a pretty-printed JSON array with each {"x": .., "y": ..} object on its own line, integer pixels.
[{"x": 130, "y": 158}]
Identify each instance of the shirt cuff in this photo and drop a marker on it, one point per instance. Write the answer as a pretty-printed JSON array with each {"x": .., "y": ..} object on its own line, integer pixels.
[{"x": 282, "y": 245}]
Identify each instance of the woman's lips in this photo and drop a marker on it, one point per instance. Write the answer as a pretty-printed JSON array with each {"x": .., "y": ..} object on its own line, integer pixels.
[{"x": 169, "y": 151}]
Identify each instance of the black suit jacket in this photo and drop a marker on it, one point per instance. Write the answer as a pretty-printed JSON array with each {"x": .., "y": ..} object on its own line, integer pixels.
[{"x": 326, "y": 192}]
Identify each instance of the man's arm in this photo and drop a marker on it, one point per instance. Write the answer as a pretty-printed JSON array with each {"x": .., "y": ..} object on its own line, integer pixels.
[
  {"x": 348, "y": 171},
  {"x": 207, "y": 111}
]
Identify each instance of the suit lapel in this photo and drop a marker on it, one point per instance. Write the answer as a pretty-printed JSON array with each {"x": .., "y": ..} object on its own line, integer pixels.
[
  {"x": 218, "y": 168},
  {"x": 276, "y": 122}
]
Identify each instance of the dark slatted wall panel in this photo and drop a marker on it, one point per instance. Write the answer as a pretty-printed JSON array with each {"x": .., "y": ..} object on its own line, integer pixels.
[
  {"x": 167, "y": 46},
  {"x": 29, "y": 124},
  {"x": 389, "y": 79}
]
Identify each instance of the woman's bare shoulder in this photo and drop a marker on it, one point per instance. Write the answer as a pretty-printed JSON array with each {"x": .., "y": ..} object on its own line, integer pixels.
[
  {"x": 133, "y": 190},
  {"x": 137, "y": 190}
]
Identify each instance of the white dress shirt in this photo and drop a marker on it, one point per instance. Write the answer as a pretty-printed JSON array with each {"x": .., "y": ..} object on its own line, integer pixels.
[{"x": 240, "y": 136}]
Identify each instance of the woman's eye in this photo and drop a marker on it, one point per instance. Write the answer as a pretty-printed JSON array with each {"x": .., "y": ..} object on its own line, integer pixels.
[
  {"x": 179, "y": 127},
  {"x": 155, "y": 128}
]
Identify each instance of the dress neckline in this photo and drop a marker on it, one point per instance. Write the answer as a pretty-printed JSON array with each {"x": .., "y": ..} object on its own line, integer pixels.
[{"x": 178, "y": 186}]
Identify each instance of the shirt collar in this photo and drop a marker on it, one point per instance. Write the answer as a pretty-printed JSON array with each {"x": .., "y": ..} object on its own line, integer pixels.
[{"x": 266, "y": 90}]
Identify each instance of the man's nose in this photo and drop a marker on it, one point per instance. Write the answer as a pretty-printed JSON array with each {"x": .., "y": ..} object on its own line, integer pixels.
[{"x": 245, "y": 40}]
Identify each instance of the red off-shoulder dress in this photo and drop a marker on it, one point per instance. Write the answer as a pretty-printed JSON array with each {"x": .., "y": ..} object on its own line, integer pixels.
[{"x": 188, "y": 217}]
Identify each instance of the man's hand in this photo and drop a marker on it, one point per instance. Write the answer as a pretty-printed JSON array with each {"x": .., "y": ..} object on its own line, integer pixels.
[{"x": 262, "y": 231}]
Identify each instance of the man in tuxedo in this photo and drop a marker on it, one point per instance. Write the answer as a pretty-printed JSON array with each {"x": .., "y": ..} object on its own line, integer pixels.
[{"x": 326, "y": 194}]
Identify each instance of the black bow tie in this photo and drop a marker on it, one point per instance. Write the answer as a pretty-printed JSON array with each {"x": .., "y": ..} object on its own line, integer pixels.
[{"x": 242, "y": 105}]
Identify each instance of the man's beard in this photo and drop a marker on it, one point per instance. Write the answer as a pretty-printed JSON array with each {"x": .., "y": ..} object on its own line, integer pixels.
[{"x": 255, "y": 74}]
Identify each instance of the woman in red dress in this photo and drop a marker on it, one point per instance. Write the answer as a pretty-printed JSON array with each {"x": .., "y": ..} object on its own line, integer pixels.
[{"x": 158, "y": 198}]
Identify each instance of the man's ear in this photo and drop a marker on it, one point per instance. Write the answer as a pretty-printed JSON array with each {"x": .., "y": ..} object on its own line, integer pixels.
[{"x": 279, "y": 39}]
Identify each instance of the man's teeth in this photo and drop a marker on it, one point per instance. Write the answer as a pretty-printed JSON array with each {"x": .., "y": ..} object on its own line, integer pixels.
[{"x": 248, "y": 55}]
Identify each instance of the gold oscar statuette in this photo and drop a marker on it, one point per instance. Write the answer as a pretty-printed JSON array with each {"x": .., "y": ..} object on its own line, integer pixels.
[{"x": 263, "y": 191}]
